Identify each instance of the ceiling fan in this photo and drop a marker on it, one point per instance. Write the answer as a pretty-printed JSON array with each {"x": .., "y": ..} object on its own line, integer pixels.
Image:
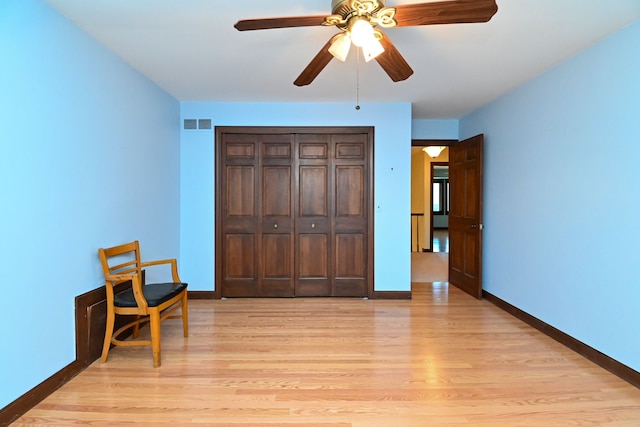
[{"x": 359, "y": 22}]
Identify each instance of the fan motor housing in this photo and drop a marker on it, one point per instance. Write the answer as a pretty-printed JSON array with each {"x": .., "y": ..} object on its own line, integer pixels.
[{"x": 346, "y": 7}]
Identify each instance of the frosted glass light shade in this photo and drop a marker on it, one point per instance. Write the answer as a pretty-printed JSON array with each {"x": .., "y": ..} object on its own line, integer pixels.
[
  {"x": 433, "y": 151},
  {"x": 372, "y": 49},
  {"x": 362, "y": 35},
  {"x": 361, "y": 32},
  {"x": 340, "y": 47}
]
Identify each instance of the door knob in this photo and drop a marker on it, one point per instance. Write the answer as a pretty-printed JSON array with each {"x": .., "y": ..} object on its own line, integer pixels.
[{"x": 275, "y": 225}]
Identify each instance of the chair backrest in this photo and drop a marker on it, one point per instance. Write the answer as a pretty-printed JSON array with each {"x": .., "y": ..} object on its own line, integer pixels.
[
  {"x": 121, "y": 259},
  {"x": 122, "y": 264}
]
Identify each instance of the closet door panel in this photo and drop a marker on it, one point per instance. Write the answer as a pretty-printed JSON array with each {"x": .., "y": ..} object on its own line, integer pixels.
[
  {"x": 313, "y": 233},
  {"x": 313, "y": 191},
  {"x": 351, "y": 215},
  {"x": 240, "y": 263},
  {"x": 276, "y": 276},
  {"x": 276, "y": 259},
  {"x": 349, "y": 192},
  {"x": 240, "y": 191},
  {"x": 239, "y": 226},
  {"x": 313, "y": 265},
  {"x": 350, "y": 261},
  {"x": 276, "y": 192},
  {"x": 313, "y": 222}
]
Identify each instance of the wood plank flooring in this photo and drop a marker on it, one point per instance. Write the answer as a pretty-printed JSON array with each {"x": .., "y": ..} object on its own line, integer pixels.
[
  {"x": 429, "y": 267},
  {"x": 441, "y": 240},
  {"x": 440, "y": 359}
]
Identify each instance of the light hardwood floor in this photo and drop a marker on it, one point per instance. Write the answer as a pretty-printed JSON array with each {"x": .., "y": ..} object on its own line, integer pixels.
[
  {"x": 441, "y": 240},
  {"x": 429, "y": 267},
  {"x": 440, "y": 359}
]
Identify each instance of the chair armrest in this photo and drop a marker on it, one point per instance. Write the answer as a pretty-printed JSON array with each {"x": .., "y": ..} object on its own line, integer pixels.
[
  {"x": 172, "y": 261},
  {"x": 119, "y": 277},
  {"x": 158, "y": 262},
  {"x": 136, "y": 287}
]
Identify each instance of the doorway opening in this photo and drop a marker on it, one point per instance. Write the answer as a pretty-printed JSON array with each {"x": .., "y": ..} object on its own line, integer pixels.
[
  {"x": 440, "y": 196},
  {"x": 465, "y": 161},
  {"x": 429, "y": 212}
]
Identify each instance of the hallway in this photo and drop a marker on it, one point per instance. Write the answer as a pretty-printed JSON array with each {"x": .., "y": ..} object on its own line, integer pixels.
[
  {"x": 441, "y": 240},
  {"x": 429, "y": 267},
  {"x": 432, "y": 266}
]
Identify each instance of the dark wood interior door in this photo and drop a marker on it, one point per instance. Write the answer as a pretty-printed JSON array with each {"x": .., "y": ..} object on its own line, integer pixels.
[
  {"x": 332, "y": 222},
  {"x": 293, "y": 212},
  {"x": 465, "y": 215},
  {"x": 351, "y": 215},
  {"x": 255, "y": 239},
  {"x": 275, "y": 244},
  {"x": 314, "y": 228}
]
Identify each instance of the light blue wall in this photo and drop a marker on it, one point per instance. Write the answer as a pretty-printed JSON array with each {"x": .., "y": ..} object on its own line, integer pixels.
[
  {"x": 89, "y": 157},
  {"x": 434, "y": 129},
  {"x": 392, "y": 155},
  {"x": 561, "y": 161}
]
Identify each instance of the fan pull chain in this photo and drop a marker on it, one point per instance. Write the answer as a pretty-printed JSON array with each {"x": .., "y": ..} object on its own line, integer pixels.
[{"x": 357, "y": 79}]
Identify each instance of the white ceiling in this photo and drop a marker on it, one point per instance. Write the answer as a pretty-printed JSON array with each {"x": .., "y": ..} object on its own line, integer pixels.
[{"x": 191, "y": 50}]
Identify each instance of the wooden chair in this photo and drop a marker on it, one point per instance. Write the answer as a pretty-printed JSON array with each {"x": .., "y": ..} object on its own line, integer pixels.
[{"x": 151, "y": 303}]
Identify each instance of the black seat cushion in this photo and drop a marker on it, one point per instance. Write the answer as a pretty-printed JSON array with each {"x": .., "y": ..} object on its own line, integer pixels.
[{"x": 155, "y": 294}]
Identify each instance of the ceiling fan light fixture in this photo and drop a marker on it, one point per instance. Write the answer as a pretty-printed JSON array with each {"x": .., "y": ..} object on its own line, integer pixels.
[
  {"x": 340, "y": 46},
  {"x": 359, "y": 19},
  {"x": 361, "y": 32},
  {"x": 372, "y": 49},
  {"x": 433, "y": 151}
]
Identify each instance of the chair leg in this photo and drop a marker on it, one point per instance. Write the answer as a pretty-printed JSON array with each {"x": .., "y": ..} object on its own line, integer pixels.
[
  {"x": 185, "y": 315},
  {"x": 136, "y": 327},
  {"x": 108, "y": 334},
  {"x": 154, "y": 325}
]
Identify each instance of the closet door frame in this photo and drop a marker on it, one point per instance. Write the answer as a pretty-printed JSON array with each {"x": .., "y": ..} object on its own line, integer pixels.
[{"x": 221, "y": 130}]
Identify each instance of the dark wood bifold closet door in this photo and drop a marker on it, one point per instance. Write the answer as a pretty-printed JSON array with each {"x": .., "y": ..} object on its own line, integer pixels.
[
  {"x": 351, "y": 215},
  {"x": 293, "y": 212},
  {"x": 332, "y": 215},
  {"x": 257, "y": 238},
  {"x": 314, "y": 241}
]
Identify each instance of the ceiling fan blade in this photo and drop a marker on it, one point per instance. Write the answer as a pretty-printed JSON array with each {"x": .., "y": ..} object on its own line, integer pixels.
[
  {"x": 392, "y": 61},
  {"x": 316, "y": 65},
  {"x": 268, "y": 23},
  {"x": 445, "y": 12}
]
